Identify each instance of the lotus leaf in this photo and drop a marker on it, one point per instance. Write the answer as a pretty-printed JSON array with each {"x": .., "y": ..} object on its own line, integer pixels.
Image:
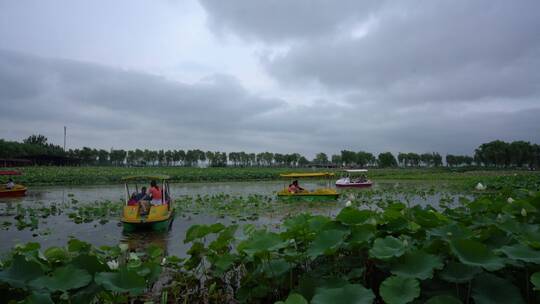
[
  {"x": 444, "y": 299},
  {"x": 362, "y": 234},
  {"x": 490, "y": 289},
  {"x": 399, "y": 290},
  {"x": 474, "y": 253},
  {"x": 293, "y": 298},
  {"x": 56, "y": 254},
  {"x": 122, "y": 281},
  {"x": 63, "y": 279},
  {"x": 459, "y": 273},
  {"x": 353, "y": 216},
  {"x": 387, "y": 248},
  {"x": 326, "y": 242},
  {"x": 199, "y": 231},
  {"x": 224, "y": 262},
  {"x": 274, "y": 268},
  {"x": 20, "y": 272},
  {"x": 522, "y": 253},
  {"x": 418, "y": 264},
  {"x": 535, "y": 280},
  {"x": 39, "y": 298},
  {"x": 261, "y": 241},
  {"x": 348, "y": 294},
  {"x": 450, "y": 231}
]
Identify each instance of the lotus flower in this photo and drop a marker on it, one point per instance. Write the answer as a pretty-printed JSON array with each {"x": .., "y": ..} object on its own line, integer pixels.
[
  {"x": 163, "y": 261},
  {"x": 133, "y": 256},
  {"x": 510, "y": 200},
  {"x": 523, "y": 212},
  {"x": 348, "y": 204},
  {"x": 480, "y": 187},
  {"x": 113, "y": 265},
  {"x": 123, "y": 247}
]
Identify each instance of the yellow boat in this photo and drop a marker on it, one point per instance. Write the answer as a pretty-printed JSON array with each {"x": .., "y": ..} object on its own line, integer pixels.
[
  {"x": 317, "y": 195},
  {"x": 159, "y": 217}
]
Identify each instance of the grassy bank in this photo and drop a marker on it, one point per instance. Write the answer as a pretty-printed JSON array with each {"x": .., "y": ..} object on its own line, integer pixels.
[{"x": 104, "y": 175}]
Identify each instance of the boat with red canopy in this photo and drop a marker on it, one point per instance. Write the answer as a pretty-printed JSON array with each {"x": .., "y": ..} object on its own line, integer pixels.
[{"x": 13, "y": 191}]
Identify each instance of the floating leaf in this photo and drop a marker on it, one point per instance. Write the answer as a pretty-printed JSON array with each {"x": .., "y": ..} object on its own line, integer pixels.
[
  {"x": 459, "y": 273},
  {"x": 387, "y": 248},
  {"x": 55, "y": 254},
  {"x": 294, "y": 298},
  {"x": 353, "y": 216},
  {"x": 399, "y": 290},
  {"x": 326, "y": 242},
  {"x": 348, "y": 294},
  {"x": 474, "y": 253},
  {"x": 445, "y": 299},
  {"x": 261, "y": 241},
  {"x": 63, "y": 279},
  {"x": 199, "y": 231},
  {"x": 20, "y": 272},
  {"x": 122, "y": 281},
  {"x": 362, "y": 234},
  {"x": 490, "y": 289},
  {"x": 522, "y": 253},
  {"x": 39, "y": 298},
  {"x": 417, "y": 265},
  {"x": 535, "y": 280}
]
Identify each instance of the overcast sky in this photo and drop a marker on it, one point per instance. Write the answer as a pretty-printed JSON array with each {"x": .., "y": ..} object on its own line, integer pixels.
[{"x": 284, "y": 76}]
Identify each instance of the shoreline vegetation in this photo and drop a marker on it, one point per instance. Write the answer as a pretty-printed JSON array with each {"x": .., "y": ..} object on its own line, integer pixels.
[{"x": 99, "y": 175}]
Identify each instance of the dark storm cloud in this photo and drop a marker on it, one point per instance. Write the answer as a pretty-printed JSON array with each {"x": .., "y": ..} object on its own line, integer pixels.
[
  {"x": 278, "y": 20},
  {"x": 96, "y": 97}
]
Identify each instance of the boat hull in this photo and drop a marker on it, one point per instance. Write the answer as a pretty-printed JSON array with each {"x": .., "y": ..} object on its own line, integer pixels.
[
  {"x": 13, "y": 193},
  {"x": 355, "y": 185},
  {"x": 308, "y": 197},
  {"x": 154, "y": 226}
]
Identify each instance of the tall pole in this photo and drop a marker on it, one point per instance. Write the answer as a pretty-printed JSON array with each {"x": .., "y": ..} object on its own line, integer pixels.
[{"x": 65, "y": 129}]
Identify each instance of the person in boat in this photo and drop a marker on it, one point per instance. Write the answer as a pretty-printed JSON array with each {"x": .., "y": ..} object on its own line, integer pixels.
[
  {"x": 133, "y": 199},
  {"x": 10, "y": 184},
  {"x": 295, "y": 188},
  {"x": 155, "y": 193},
  {"x": 143, "y": 200}
]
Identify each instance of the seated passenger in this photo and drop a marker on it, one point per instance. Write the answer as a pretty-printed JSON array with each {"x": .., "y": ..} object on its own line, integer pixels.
[
  {"x": 155, "y": 193},
  {"x": 133, "y": 201},
  {"x": 10, "y": 184},
  {"x": 295, "y": 188}
]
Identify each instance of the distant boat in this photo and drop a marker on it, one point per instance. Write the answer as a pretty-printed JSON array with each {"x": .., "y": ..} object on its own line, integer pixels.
[
  {"x": 16, "y": 190},
  {"x": 350, "y": 182}
]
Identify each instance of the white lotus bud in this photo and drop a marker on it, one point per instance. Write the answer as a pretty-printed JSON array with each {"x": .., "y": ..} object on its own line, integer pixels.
[
  {"x": 523, "y": 212},
  {"x": 123, "y": 247},
  {"x": 449, "y": 234},
  {"x": 348, "y": 204},
  {"x": 163, "y": 261},
  {"x": 480, "y": 187},
  {"x": 510, "y": 200},
  {"x": 113, "y": 265},
  {"x": 405, "y": 243},
  {"x": 133, "y": 256}
]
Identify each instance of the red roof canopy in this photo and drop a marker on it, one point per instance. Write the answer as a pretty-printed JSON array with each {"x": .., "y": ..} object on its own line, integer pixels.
[{"x": 10, "y": 172}]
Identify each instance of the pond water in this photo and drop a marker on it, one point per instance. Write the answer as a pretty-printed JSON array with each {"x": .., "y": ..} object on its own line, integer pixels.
[{"x": 56, "y": 230}]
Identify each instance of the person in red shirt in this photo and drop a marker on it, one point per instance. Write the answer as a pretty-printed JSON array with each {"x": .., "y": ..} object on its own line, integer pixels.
[{"x": 155, "y": 193}]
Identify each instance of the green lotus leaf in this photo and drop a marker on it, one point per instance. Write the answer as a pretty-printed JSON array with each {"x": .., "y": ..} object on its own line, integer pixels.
[
  {"x": 348, "y": 294},
  {"x": 39, "y": 298},
  {"x": 75, "y": 245},
  {"x": 535, "y": 280},
  {"x": 387, "y": 248},
  {"x": 89, "y": 263},
  {"x": 63, "y": 279},
  {"x": 326, "y": 242},
  {"x": 261, "y": 241},
  {"x": 450, "y": 231},
  {"x": 418, "y": 264},
  {"x": 124, "y": 281},
  {"x": 490, "y": 289},
  {"x": 362, "y": 234},
  {"x": 444, "y": 299},
  {"x": 294, "y": 298},
  {"x": 224, "y": 238},
  {"x": 522, "y": 253},
  {"x": 455, "y": 272},
  {"x": 87, "y": 294},
  {"x": 224, "y": 262},
  {"x": 55, "y": 254},
  {"x": 274, "y": 268},
  {"x": 399, "y": 290},
  {"x": 428, "y": 218},
  {"x": 199, "y": 231},
  {"x": 474, "y": 253},
  {"x": 353, "y": 216},
  {"x": 20, "y": 272}
]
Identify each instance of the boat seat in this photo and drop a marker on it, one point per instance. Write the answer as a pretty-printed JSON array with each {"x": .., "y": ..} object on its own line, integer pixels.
[
  {"x": 131, "y": 212},
  {"x": 158, "y": 212}
]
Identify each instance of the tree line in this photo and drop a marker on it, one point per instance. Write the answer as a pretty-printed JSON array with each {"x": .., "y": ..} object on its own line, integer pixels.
[{"x": 493, "y": 154}]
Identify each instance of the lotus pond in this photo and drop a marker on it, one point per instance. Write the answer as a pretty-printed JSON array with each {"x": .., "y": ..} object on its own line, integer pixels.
[{"x": 400, "y": 242}]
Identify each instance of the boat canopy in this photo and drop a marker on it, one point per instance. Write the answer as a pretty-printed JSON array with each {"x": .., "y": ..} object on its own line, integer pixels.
[
  {"x": 10, "y": 172},
  {"x": 146, "y": 177},
  {"x": 355, "y": 170},
  {"x": 315, "y": 174}
]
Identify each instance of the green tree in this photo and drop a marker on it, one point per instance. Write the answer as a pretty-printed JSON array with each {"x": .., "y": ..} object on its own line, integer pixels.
[
  {"x": 36, "y": 139},
  {"x": 387, "y": 159}
]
